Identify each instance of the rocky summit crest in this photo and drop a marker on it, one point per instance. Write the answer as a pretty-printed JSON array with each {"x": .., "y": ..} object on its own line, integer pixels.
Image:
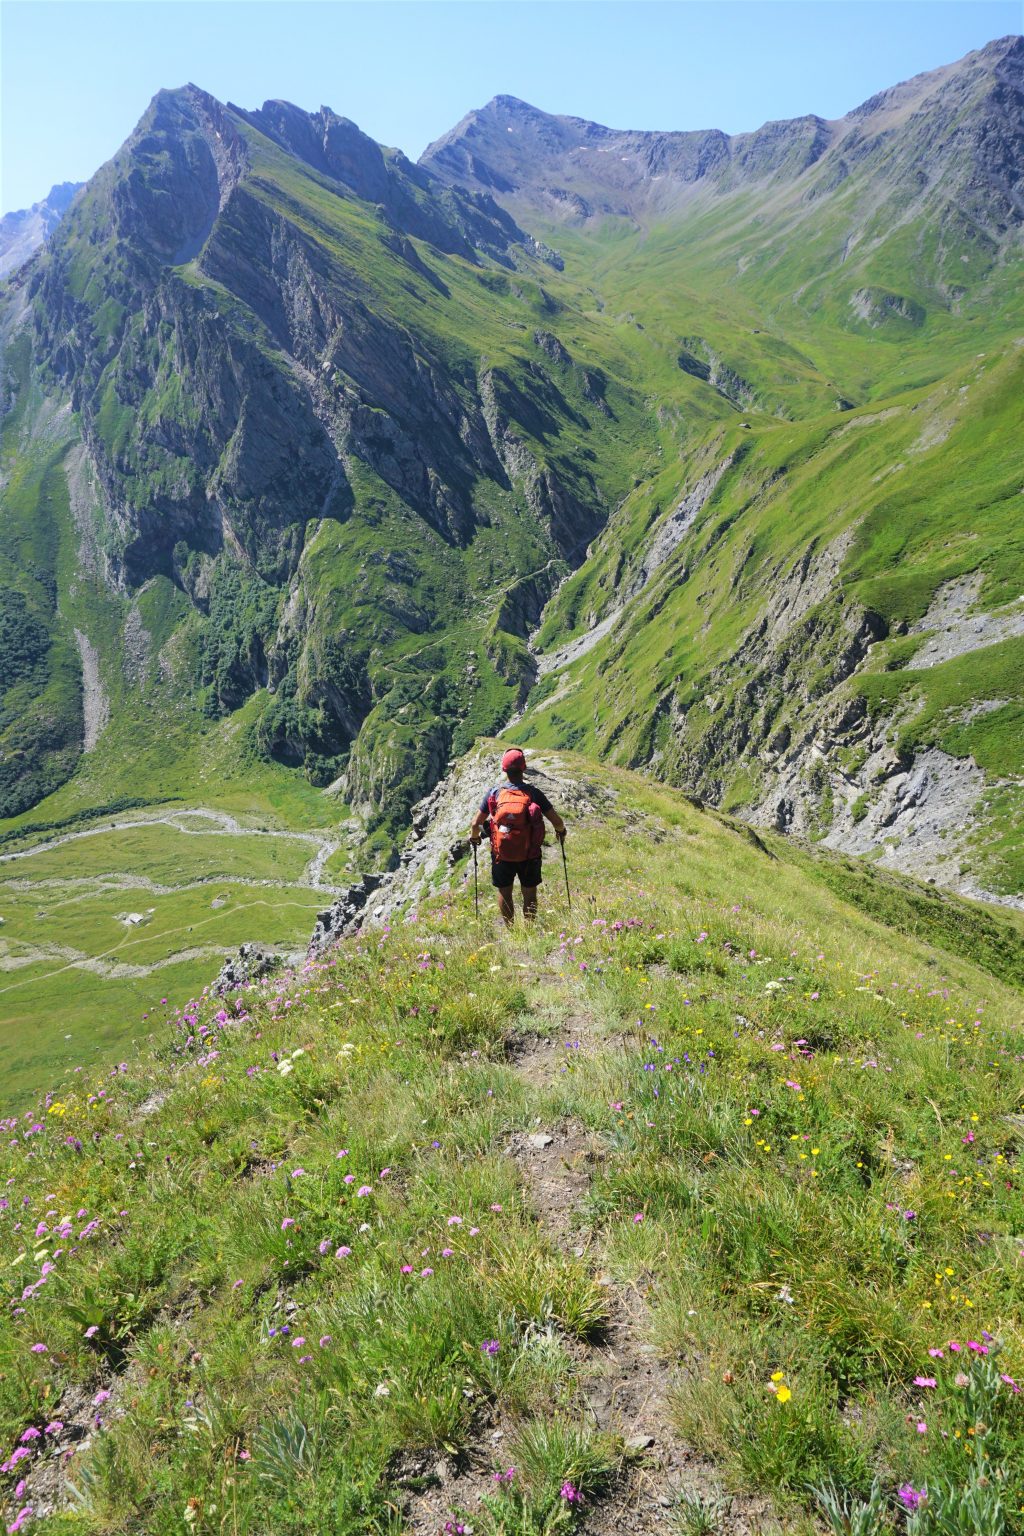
[{"x": 956, "y": 129}]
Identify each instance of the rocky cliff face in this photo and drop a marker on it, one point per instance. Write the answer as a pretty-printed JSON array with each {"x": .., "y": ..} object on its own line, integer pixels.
[{"x": 286, "y": 355}]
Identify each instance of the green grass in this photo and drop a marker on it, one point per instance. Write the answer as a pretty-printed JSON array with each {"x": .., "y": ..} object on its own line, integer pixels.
[
  {"x": 805, "y": 1124},
  {"x": 75, "y": 978},
  {"x": 165, "y": 854}
]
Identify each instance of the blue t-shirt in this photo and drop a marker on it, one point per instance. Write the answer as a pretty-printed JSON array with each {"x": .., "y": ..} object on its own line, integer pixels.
[{"x": 537, "y": 796}]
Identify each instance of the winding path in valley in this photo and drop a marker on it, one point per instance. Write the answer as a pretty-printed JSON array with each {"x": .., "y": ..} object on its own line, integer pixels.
[
  {"x": 17, "y": 954},
  {"x": 226, "y": 826}
]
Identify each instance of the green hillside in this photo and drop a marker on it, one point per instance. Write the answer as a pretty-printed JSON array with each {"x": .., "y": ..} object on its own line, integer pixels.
[
  {"x": 696, "y": 453},
  {"x": 301, "y": 438},
  {"x": 694, "y": 1206}
]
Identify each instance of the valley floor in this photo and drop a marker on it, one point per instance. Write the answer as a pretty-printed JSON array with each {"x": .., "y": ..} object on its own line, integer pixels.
[{"x": 101, "y": 921}]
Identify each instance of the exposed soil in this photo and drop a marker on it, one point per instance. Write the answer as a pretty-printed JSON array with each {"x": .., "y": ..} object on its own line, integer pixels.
[{"x": 626, "y": 1385}]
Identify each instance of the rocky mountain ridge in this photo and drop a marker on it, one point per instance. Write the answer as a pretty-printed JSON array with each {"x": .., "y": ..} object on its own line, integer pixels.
[
  {"x": 953, "y": 132},
  {"x": 337, "y": 462},
  {"x": 24, "y": 230}
]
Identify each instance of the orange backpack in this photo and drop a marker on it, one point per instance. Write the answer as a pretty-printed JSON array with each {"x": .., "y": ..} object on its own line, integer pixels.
[{"x": 517, "y": 824}]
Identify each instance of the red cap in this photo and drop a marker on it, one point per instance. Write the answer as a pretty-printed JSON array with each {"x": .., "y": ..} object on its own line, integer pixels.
[{"x": 513, "y": 761}]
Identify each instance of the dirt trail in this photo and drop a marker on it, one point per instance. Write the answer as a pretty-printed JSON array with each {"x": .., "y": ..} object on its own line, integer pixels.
[{"x": 625, "y": 1384}]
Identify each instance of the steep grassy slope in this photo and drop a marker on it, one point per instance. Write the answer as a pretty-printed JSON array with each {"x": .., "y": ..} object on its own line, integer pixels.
[
  {"x": 768, "y": 662},
  {"x": 686, "y": 1207},
  {"x": 300, "y": 441},
  {"x": 812, "y": 618}
]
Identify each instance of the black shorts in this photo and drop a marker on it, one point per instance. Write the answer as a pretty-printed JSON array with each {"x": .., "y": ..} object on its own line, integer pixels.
[{"x": 503, "y": 874}]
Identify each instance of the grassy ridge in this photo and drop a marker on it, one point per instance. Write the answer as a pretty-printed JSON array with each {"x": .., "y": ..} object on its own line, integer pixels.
[{"x": 795, "y": 1130}]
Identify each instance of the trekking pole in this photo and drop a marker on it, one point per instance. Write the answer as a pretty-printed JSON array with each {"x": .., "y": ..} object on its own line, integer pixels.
[
  {"x": 565, "y": 871},
  {"x": 476, "y": 886}
]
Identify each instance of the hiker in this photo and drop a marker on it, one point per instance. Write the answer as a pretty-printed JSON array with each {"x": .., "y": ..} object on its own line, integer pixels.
[{"x": 515, "y": 813}]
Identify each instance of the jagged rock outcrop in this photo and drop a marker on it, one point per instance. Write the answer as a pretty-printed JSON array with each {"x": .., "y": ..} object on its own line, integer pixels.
[
  {"x": 251, "y": 963},
  {"x": 344, "y": 916}
]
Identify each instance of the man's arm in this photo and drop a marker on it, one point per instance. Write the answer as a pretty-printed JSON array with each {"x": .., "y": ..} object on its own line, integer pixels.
[
  {"x": 548, "y": 810},
  {"x": 556, "y": 821},
  {"x": 475, "y": 826}
]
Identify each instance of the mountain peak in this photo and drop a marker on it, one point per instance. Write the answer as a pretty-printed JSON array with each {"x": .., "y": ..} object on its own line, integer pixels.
[
  {"x": 513, "y": 104},
  {"x": 967, "y": 132}
]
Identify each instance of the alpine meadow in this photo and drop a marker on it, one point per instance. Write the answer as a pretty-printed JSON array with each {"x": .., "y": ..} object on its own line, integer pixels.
[{"x": 693, "y": 465}]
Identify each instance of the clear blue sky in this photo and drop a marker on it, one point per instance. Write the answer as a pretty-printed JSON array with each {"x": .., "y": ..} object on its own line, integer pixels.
[{"x": 76, "y": 75}]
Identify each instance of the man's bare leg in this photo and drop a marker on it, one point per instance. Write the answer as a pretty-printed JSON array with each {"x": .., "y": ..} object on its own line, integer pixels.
[
  {"x": 529, "y": 902},
  {"x": 506, "y": 906}
]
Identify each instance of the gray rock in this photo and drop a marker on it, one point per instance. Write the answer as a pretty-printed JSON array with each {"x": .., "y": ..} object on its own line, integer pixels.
[
  {"x": 250, "y": 964},
  {"x": 344, "y": 916}
]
